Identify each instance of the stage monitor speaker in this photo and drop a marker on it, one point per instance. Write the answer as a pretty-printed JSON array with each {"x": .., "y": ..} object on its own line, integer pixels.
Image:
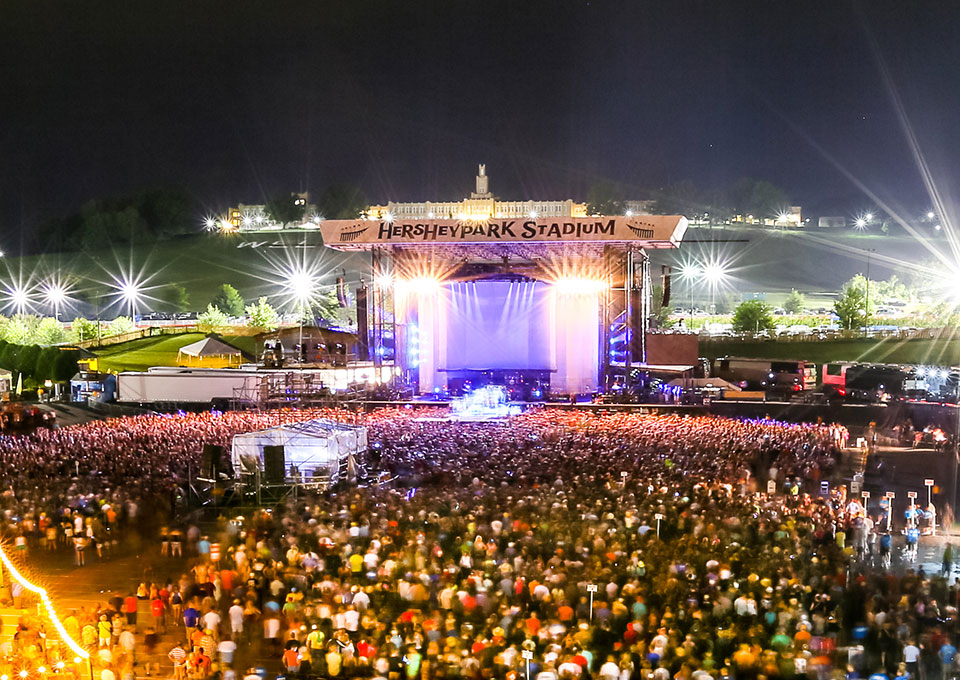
[
  {"x": 210, "y": 461},
  {"x": 273, "y": 464},
  {"x": 363, "y": 330}
]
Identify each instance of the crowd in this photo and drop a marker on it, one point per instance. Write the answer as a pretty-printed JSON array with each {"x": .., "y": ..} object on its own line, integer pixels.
[{"x": 554, "y": 545}]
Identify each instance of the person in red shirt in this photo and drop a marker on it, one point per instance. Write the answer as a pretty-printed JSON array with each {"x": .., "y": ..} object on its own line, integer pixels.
[
  {"x": 157, "y": 609},
  {"x": 291, "y": 660},
  {"x": 130, "y": 609}
]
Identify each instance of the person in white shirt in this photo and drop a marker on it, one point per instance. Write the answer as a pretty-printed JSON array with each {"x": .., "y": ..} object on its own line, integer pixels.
[
  {"x": 610, "y": 670},
  {"x": 236, "y": 619}
]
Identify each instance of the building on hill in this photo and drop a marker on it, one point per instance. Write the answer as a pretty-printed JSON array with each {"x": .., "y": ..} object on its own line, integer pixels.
[
  {"x": 254, "y": 217},
  {"x": 480, "y": 205}
]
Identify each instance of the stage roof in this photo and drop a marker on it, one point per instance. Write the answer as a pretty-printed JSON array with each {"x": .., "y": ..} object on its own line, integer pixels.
[{"x": 506, "y": 237}]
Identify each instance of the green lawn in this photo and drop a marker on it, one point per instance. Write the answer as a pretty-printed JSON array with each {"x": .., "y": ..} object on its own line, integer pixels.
[
  {"x": 252, "y": 263},
  {"x": 888, "y": 350},
  {"x": 139, "y": 355}
]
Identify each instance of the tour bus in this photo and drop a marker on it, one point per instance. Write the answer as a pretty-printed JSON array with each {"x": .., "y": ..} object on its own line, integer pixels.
[
  {"x": 864, "y": 382},
  {"x": 767, "y": 374},
  {"x": 856, "y": 381}
]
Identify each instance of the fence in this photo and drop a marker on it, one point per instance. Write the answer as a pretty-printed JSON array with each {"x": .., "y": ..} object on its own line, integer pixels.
[{"x": 818, "y": 336}]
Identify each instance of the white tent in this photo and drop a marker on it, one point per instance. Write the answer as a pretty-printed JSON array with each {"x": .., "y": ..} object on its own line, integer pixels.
[{"x": 317, "y": 449}]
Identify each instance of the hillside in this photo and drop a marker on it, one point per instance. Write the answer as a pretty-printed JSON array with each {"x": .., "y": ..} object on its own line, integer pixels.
[{"x": 201, "y": 263}]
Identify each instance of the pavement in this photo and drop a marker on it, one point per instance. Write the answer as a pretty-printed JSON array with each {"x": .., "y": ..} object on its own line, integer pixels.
[{"x": 73, "y": 587}]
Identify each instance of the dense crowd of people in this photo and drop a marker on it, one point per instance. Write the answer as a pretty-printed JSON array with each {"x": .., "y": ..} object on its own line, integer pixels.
[{"x": 555, "y": 545}]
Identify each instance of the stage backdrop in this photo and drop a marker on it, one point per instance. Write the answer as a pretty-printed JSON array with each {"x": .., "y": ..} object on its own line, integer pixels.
[{"x": 500, "y": 325}]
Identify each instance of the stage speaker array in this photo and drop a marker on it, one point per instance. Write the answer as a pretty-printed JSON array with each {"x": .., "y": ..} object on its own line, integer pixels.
[
  {"x": 363, "y": 330},
  {"x": 273, "y": 464},
  {"x": 210, "y": 461}
]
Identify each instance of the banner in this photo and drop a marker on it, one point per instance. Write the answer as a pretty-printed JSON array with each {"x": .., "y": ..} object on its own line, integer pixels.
[{"x": 647, "y": 231}]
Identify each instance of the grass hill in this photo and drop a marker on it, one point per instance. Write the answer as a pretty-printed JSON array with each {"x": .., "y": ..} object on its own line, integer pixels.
[
  {"x": 201, "y": 263},
  {"x": 141, "y": 354}
]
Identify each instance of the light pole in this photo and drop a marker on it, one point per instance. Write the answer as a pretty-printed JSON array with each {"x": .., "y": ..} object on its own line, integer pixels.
[
  {"x": 56, "y": 296},
  {"x": 866, "y": 305},
  {"x": 302, "y": 286}
]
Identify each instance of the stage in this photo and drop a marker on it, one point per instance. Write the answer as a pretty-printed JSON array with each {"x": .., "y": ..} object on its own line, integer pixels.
[{"x": 539, "y": 307}]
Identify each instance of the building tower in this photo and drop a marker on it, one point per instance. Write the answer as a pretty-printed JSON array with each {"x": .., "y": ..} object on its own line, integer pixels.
[{"x": 483, "y": 186}]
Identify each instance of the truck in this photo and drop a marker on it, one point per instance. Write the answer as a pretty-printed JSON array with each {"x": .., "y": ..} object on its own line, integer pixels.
[
  {"x": 174, "y": 385},
  {"x": 771, "y": 375}
]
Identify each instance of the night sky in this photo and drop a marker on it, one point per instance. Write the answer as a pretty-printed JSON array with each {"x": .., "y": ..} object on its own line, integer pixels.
[{"x": 237, "y": 100}]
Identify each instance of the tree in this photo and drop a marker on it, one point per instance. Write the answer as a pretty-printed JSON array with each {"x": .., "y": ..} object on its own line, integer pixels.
[
  {"x": 119, "y": 326},
  {"x": 605, "y": 198},
  {"x": 263, "y": 315},
  {"x": 211, "y": 319},
  {"x": 228, "y": 300},
  {"x": 65, "y": 364},
  {"x": 342, "y": 202},
  {"x": 286, "y": 208},
  {"x": 83, "y": 329},
  {"x": 324, "y": 305},
  {"x": 681, "y": 198},
  {"x": 50, "y": 332},
  {"x": 27, "y": 360},
  {"x": 17, "y": 331},
  {"x": 752, "y": 316},
  {"x": 852, "y": 306},
  {"x": 175, "y": 297},
  {"x": 795, "y": 302},
  {"x": 660, "y": 315},
  {"x": 758, "y": 198},
  {"x": 45, "y": 367}
]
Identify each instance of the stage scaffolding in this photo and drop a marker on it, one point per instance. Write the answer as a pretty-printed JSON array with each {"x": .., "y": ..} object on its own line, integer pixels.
[{"x": 293, "y": 389}]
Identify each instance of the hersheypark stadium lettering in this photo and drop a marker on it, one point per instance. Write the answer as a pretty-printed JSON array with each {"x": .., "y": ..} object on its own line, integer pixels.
[{"x": 504, "y": 230}]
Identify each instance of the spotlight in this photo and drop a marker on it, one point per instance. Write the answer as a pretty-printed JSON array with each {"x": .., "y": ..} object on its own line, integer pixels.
[
  {"x": 579, "y": 285},
  {"x": 419, "y": 285}
]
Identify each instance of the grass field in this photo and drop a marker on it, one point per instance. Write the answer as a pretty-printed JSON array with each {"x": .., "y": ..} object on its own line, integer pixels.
[
  {"x": 201, "y": 263},
  {"x": 139, "y": 355},
  {"x": 924, "y": 351}
]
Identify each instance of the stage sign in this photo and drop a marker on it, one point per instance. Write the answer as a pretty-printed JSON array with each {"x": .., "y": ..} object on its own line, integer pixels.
[{"x": 649, "y": 231}]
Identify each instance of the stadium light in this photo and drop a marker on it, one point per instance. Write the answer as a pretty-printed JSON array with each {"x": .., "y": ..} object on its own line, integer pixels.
[
  {"x": 930, "y": 215},
  {"x": 860, "y": 223},
  {"x": 714, "y": 273},
  {"x": 868, "y": 217},
  {"x": 131, "y": 293},
  {"x": 56, "y": 296},
  {"x": 18, "y": 298}
]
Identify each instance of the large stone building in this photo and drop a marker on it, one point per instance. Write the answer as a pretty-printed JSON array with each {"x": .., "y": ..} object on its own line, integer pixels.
[{"x": 481, "y": 205}]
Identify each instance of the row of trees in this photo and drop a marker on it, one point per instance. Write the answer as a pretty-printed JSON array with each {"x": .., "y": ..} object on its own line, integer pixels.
[
  {"x": 336, "y": 202},
  {"x": 36, "y": 363},
  {"x": 854, "y": 307},
  {"x": 30, "y": 329},
  {"x": 165, "y": 212},
  {"x": 746, "y": 196},
  {"x": 152, "y": 214}
]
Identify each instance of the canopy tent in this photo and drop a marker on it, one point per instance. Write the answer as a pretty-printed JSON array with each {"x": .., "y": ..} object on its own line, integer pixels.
[
  {"x": 313, "y": 450},
  {"x": 210, "y": 352}
]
